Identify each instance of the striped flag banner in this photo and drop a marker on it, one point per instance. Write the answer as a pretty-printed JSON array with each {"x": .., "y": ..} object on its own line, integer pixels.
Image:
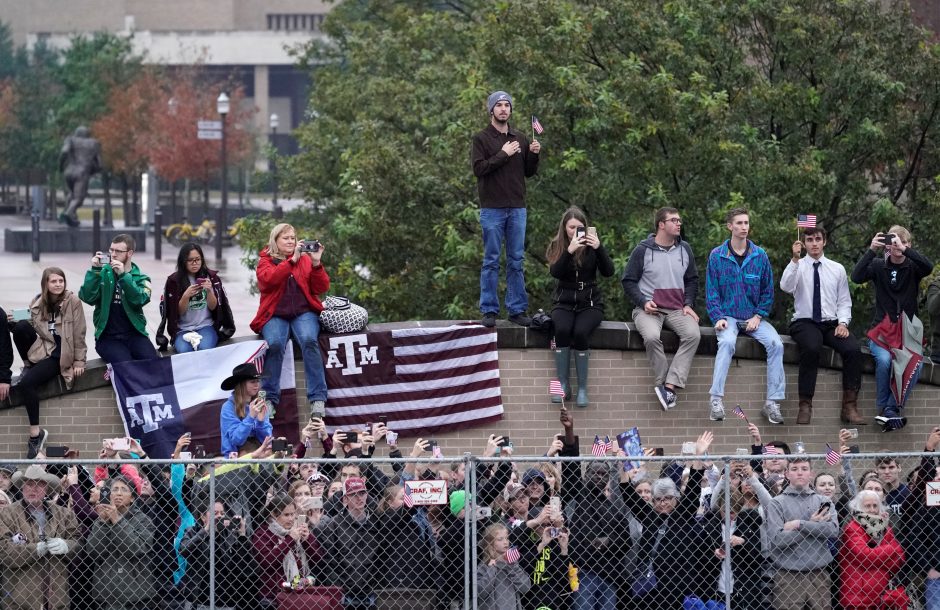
[
  {"x": 161, "y": 399},
  {"x": 833, "y": 457},
  {"x": 423, "y": 379},
  {"x": 806, "y": 221},
  {"x": 512, "y": 555},
  {"x": 739, "y": 412},
  {"x": 555, "y": 389},
  {"x": 537, "y": 125},
  {"x": 599, "y": 448},
  {"x": 772, "y": 450},
  {"x": 408, "y": 500},
  {"x": 608, "y": 444}
]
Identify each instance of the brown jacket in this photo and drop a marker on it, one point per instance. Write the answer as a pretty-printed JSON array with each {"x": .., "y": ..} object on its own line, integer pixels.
[
  {"x": 24, "y": 570},
  {"x": 70, "y": 326}
]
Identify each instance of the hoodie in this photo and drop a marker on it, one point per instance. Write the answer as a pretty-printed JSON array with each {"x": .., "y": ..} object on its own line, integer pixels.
[
  {"x": 806, "y": 548},
  {"x": 666, "y": 276}
]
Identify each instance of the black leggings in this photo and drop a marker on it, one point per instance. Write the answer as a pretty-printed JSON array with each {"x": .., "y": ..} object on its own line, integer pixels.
[
  {"x": 38, "y": 373},
  {"x": 573, "y": 329}
]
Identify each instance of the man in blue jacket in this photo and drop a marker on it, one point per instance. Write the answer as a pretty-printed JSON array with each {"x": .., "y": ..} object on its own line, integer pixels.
[{"x": 739, "y": 294}]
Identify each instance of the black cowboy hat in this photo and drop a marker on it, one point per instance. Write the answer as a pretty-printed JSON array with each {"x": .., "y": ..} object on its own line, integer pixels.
[{"x": 242, "y": 372}]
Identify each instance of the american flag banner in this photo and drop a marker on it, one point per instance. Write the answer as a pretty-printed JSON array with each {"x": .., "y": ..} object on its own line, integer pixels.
[
  {"x": 740, "y": 412},
  {"x": 555, "y": 389},
  {"x": 512, "y": 555},
  {"x": 408, "y": 500},
  {"x": 422, "y": 379},
  {"x": 772, "y": 450},
  {"x": 608, "y": 444},
  {"x": 536, "y": 125},
  {"x": 599, "y": 448},
  {"x": 806, "y": 221},
  {"x": 833, "y": 457}
]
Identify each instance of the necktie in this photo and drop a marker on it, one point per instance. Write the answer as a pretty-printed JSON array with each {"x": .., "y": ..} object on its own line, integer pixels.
[{"x": 817, "y": 293}]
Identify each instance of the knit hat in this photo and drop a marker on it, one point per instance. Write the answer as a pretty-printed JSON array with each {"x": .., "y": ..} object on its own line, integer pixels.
[
  {"x": 8, "y": 468},
  {"x": 458, "y": 499},
  {"x": 496, "y": 97}
]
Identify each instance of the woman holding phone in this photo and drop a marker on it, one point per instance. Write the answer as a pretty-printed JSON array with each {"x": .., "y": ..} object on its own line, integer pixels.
[
  {"x": 245, "y": 414},
  {"x": 51, "y": 340},
  {"x": 194, "y": 301},
  {"x": 286, "y": 550},
  {"x": 575, "y": 257}
]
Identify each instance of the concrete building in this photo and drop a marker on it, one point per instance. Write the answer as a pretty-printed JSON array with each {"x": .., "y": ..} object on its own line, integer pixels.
[{"x": 247, "y": 39}]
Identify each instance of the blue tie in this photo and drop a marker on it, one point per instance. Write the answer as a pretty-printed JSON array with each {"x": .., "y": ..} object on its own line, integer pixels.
[{"x": 817, "y": 293}]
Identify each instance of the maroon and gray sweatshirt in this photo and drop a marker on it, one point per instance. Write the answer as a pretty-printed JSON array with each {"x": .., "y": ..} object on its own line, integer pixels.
[{"x": 666, "y": 276}]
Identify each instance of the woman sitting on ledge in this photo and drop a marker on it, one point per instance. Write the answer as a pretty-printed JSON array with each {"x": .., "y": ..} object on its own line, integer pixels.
[{"x": 245, "y": 414}]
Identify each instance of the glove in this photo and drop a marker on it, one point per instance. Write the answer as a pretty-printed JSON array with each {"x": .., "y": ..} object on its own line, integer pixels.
[
  {"x": 41, "y": 548},
  {"x": 57, "y": 546}
]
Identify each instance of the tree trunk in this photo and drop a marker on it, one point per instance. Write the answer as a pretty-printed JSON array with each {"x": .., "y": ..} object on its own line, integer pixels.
[
  {"x": 125, "y": 202},
  {"x": 108, "y": 221},
  {"x": 135, "y": 200}
]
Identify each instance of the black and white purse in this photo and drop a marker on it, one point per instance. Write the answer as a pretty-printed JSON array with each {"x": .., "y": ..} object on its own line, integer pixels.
[{"x": 339, "y": 315}]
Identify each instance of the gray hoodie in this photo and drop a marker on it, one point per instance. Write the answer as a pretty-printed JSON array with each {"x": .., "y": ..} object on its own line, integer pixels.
[
  {"x": 666, "y": 276},
  {"x": 806, "y": 548}
]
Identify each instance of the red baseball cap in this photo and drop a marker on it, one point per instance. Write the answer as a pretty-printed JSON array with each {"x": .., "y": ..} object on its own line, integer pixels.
[{"x": 354, "y": 485}]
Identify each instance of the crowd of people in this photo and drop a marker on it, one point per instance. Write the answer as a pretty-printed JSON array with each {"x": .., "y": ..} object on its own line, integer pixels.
[{"x": 766, "y": 530}]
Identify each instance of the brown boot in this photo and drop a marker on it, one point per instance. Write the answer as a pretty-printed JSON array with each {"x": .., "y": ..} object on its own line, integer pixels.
[
  {"x": 805, "y": 413},
  {"x": 849, "y": 413}
]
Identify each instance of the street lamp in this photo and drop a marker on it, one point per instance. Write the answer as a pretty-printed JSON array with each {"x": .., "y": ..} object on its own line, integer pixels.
[
  {"x": 274, "y": 122},
  {"x": 222, "y": 106}
]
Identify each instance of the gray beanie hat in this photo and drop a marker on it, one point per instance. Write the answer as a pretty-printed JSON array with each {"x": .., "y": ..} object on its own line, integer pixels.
[{"x": 497, "y": 96}]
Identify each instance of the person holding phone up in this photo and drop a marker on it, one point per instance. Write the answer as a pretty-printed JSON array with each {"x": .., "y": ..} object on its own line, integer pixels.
[
  {"x": 575, "y": 257},
  {"x": 50, "y": 338},
  {"x": 896, "y": 276},
  {"x": 245, "y": 414},
  {"x": 194, "y": 301}
]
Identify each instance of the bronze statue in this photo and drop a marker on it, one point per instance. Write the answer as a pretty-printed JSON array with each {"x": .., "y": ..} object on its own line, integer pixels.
[{"x": 79, "y": 160}]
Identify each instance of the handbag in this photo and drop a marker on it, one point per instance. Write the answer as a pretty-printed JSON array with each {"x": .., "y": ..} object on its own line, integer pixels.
[
  {"x": 895, "y": 597},
  {"x": 645, "y": 582},
  {"x": 339, "y": 315}
]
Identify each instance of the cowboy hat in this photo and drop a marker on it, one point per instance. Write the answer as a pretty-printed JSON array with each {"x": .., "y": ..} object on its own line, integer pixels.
[
  {"x": 243, "y": 372},
  {"x": 35, "y": 473}
]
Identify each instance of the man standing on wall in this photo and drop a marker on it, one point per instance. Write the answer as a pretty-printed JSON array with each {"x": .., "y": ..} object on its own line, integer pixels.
[
  {"x": 502, "y": 158},
  {"x": 662, "y": 281},
  {"x": 821, "y": 315},
  {"x": 739, "y": 293}
]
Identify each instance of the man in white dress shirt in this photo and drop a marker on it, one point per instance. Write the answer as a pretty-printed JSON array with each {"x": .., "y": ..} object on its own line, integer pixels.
[{"x": 822, "y": 312}]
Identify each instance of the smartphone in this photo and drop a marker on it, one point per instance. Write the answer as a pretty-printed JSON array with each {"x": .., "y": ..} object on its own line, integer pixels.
[
  {"x": 56, "y": 452},
  {"x": 742, "y": 327},
  {"x": 20, "y": 315},
  {"x": 104, "y": 496},
  {"x": 313, "y": 503},
  {"x": 505, "y": 442},
  {"x": 854, "y": 449},
  {"x": 553, "y": 532},
  {"x": 436, "y": 451},
  {"x": 391, "y": 438},
  {"x": 592, "y": 231},
  {"x": 186, "y": 455},
  {"x": 799, "y": 447},
  {"x": 741, "y": 451},
  {"x": 853, "y": 432},
  {"x": 579, "y": 233},
  {"x": 383, "y": 419},
  {"x": 484, "y": 512},
  {"x": 104, "y": 259},
  {"x": 659, "y": 451},
  {"x": 279, "y": 445},
  {"x": 120, "y": 444},
  {"x": 555, "y": 503},
  {"x": 688, "y": 448},
  {"x": 300, "y": 519},
  {"x": 351, "y": 437}
]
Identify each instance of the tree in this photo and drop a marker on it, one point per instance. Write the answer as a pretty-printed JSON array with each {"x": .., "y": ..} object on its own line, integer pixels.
[{"x": 785, "y": 106}]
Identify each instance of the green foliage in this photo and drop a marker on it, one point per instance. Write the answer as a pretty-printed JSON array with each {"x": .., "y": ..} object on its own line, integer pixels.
[{"x": 785, "y": 106}]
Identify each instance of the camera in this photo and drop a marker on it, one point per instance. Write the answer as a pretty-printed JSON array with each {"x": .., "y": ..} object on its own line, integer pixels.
[
  {"x": 505, "y": 442},
  {"x": 279, "y": 445},
  {"x": 484, "y": 512},
  {"x": 310, "y": 245},
  {"x": 104, "y": 259},
  {"x": 888, "y": 238},
  {"x": 104, "y": 496}
]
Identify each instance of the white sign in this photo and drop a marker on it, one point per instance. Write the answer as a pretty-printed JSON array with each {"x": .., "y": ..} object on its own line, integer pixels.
[
  {"x": 426, "y": 493},
  {"x": 217, "y": 125},
  {"x": 204, "y": 134},
  {"x": 933, "y": 493}
]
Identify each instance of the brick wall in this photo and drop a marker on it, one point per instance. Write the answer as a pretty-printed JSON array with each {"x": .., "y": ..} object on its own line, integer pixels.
[{"x": 621, "y": 396}]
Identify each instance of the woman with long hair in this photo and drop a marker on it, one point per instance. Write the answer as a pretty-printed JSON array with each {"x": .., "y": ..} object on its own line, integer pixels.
[
  {"x": 291, "y": 279},
  {"x": 286, "y": 550},
  {"x": 194, "y": 301},
  {"x": 244, "y": 415},
  {"x": 51, "y": 342},
  {"x": 575, "y": 257}
]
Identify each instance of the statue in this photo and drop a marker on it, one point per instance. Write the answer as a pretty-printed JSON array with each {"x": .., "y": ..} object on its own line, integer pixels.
[{"x": 79, "y": 160}]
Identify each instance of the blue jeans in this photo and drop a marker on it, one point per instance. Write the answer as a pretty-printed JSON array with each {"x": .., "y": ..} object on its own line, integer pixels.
[
  {"x": 305, "y": 330},
  {"x": 121, "y": 348},
  {"x": 884, "y": 398},
  {"x": 594, "y": 593},
  {"x": 766, "y": 336},
  {"x": 499, "y": 225},
  {"x": 209, "y": 340},
  {"x": 932, "y": 594}
]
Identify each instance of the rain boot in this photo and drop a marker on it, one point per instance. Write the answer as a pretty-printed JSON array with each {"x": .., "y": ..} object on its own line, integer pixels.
[
  {"x": 562, "y": 364},
  {"x": 581, "y": 365}
]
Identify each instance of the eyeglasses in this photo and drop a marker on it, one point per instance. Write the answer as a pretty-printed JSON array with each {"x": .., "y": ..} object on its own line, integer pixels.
[
  {"x": 113, "y": 251},
  {"x": 664, "y": 500},
  {"x": 677, "y": 221},
  {"x": 193, "y": 260}
]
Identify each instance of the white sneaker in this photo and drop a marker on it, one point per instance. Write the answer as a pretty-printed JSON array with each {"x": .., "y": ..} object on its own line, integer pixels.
[
  {"x": 771, "y": 411},
  {"x": 717, "y": 411}
]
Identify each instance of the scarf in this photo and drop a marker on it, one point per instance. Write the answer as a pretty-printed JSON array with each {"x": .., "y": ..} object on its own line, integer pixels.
[
  {"x": 875, "y": 525},
  {"x": 295, "y": 561}
]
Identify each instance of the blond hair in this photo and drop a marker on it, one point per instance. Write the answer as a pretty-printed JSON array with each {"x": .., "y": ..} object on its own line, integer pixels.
[
  {"x": 902, "y": 233},
  {"x": 276, "y": 232},
  {"x": 489, "y": 536}
]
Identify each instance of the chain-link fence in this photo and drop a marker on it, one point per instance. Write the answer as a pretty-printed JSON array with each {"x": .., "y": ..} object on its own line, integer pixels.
[{"x": 743, "y": 531}]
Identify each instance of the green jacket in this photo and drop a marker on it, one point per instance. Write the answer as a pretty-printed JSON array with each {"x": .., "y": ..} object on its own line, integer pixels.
[{"x": 98, "y": 290}]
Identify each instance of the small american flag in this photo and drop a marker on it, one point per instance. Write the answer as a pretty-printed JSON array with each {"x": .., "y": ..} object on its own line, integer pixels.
[
  {"x": 772, "y": 450},
  {"x": 833, "y": 457},
  {"x": 536, "y": 126},
  {"x": 409, "y": 501},
  {"x": 608, "y": 444},
  {"x": 512, "y": 555},
  {"x": 555, "y": 389},
  {"x": 599, "y": 448},
  {"x": 740, "y": 412},
  {"x": 806, "y": 221}
]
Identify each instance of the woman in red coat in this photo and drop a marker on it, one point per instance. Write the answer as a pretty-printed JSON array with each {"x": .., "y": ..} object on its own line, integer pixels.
[
  {"x": 291, "y": 279},
  {"x": 869, "y": 554},
  {"x": 286, "y": 551}
]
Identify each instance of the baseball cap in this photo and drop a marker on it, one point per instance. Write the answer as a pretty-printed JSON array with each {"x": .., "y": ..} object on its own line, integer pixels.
[
  {"x": 512, "y": 490},
  {"x": 354, "y": 485}
]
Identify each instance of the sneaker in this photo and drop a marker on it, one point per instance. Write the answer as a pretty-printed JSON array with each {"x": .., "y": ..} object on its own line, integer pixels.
[
  {"x": 717, "y": 411},
  {"x": 667, "y": 398},
  {"x": 36, "y": 444},
  {"x": 489, "y": 319},
  {"x": 521, "y": 319},
  {"x": 891, "y": 420},
  {"x": 318, "y": 408},
  {"x": 771, "y": 411}
]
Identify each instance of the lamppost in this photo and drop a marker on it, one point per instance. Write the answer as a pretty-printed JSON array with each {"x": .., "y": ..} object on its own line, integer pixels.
[
  {"x": 277, "y": 212},
  {"x": 222, "y": 105}
]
